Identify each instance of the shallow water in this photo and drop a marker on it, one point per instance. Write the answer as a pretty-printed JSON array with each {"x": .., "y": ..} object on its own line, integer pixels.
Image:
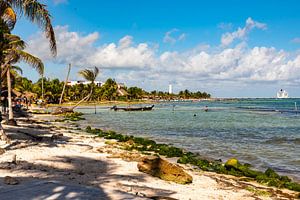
[{"x": 263, "y": 132}]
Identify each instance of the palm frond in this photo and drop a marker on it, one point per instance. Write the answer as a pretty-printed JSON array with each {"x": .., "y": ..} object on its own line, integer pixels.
[
  {"x": 7, "y": 15},
  {"x": 31, "y": 60},
  {"x": 37, "y": 13},
  {"x": 14, "y": 41},
  {"x": 17, "y": 69},
  {"x": 89, "y": 74}
]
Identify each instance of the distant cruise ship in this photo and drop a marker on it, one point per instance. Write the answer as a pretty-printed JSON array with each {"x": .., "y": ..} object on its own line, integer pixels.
[{"x": 282, "y": 94}]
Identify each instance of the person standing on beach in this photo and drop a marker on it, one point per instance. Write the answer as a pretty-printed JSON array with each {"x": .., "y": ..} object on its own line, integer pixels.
[{"x": 4, "y": 105}]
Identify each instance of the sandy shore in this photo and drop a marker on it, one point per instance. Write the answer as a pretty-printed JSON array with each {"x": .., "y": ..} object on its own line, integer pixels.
[{"x": 64, "y": 153}]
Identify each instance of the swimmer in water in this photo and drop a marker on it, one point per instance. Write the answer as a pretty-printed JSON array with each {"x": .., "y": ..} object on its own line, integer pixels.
[{"x": 205, "y": 108}]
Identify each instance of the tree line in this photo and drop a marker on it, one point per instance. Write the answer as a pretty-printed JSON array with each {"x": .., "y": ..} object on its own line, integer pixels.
[{"x": 109, "y": 91}]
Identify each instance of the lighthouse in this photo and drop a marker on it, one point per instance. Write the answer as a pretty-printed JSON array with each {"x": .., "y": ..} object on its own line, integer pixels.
[{"x": 170, "y": 89}]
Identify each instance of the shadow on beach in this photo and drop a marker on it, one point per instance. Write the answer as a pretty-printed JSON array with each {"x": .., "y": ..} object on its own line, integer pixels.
[{"x": 65, "y": 177}]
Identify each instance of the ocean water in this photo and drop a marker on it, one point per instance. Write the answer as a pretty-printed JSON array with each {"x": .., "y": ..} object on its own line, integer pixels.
[{"x": 262, "y": 132}]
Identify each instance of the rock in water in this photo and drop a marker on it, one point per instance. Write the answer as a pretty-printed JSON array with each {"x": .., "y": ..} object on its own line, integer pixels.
[
  {"x": 10, "y": 180},
  {"x": 232, "y": 163},
  {"x": 163, "y": 169}
]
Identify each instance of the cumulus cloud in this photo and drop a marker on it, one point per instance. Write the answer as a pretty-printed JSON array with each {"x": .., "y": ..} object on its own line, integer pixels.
[
  {"x": 81, "y": 50},
  {"x": 142, "y": 63},
  {"x": 172, "y": 36},
  {"x": 241, "y": 33}
]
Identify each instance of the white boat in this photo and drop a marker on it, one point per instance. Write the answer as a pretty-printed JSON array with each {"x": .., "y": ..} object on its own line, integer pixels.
[{"x": 282, "y": 94}]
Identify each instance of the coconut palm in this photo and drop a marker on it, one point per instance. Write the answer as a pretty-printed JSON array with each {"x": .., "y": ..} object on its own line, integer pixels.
[
  {"x": 13, "y": 53},
  {"x": 33, "y": 10},
  {"x": 36, "y": 13},
  {"x": 89, "y": 75}
]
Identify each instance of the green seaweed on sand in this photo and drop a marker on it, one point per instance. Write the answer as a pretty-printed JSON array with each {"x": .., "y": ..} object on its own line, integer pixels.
[
  {"x": 74, "y": 116},
  {"x": 231, "y": 167}
]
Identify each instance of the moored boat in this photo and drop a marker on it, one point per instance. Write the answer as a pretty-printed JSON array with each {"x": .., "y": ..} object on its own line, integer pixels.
[{"x": 145, "y": 108}]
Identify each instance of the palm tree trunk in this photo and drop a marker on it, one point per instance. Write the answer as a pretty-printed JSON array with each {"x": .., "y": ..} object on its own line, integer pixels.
[
  {"x": 3, "y": 135},
  {"x": 63, "y": 91},
  {"x": 43, "y": 86},
  {"x": 84, "y": 99},
  {"x": 10, "y": 110}
]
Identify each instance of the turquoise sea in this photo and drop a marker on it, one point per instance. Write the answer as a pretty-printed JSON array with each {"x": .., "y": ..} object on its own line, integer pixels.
[{"x": 263, "y": 132}]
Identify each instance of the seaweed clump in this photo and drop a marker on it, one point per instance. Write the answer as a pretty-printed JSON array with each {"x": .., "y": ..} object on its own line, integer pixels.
[
  {"x": 235, "y": 168},
  {"x": 231, "y": 167},
  {"x": 139, "y": 143},
  {"x": 74, "y": 116}
]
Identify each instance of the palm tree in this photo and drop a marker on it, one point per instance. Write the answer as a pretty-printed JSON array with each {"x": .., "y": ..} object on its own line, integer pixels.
[
  {"x": 23, "y": 84},
  {"x": 13, "y": 53},
  {"x": 36, "y": 13},
  {"x": 89, "y": 75},
  {"x": 33, "y": 10}
]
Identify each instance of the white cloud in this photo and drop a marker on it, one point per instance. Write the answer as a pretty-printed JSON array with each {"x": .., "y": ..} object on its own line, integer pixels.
[
  {"x": 172, "y": 36},
  {"x": 140, "y": 63},
  {"x": 241, "y": 33},
  {"x": 81, "y": 50}
]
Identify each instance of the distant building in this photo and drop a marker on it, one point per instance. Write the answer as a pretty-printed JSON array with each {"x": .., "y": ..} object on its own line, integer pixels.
[
  {"x": 71, "y": 83},
  {"x": 170, "y": 89},
  {"x": 121, "y": 85}
]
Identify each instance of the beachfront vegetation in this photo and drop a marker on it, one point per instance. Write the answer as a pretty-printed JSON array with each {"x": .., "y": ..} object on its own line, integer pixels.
[
  {"x": 231, "y": 167},
  {"x": 109, "y": 91}
]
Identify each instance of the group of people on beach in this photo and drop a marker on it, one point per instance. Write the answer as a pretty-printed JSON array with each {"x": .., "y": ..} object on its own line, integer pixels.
[{"x": 17, "y": 103}]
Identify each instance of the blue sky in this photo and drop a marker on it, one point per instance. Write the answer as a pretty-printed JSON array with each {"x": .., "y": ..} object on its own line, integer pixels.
[{"x": 228, "y": 48}]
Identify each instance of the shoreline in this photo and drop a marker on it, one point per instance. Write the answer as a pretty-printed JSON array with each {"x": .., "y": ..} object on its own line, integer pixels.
[
  {"x": 206, "y": 157},
  {"x": 206, "y": 184}
]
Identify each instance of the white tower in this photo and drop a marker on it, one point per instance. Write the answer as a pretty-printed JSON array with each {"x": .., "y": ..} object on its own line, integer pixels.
[{"x": 170, "y": 89}]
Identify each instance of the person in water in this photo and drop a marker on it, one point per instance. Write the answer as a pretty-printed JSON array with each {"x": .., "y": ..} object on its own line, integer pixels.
[{"x": 206, "y": 108}]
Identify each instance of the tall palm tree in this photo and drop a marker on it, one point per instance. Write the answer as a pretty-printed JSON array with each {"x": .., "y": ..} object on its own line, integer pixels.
[
  {"x": 36, "y": 13},
  {"x": 13, "y": 53},
  {"x": 89, "y": 75}
]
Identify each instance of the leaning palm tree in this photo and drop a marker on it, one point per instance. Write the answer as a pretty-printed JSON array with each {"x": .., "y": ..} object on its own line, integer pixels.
[
  {"x": 13, "y": 53},
  {"x": 89, "y": 75}
]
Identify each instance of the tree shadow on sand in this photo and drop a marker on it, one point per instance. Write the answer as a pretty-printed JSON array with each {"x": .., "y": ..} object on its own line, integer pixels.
[
  {"x": 73, "y": 178},
  {"x": 67, "y": 177}
]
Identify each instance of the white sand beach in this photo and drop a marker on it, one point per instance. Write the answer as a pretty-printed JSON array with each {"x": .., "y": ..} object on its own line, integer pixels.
[{"x": 71, "y": 156}]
